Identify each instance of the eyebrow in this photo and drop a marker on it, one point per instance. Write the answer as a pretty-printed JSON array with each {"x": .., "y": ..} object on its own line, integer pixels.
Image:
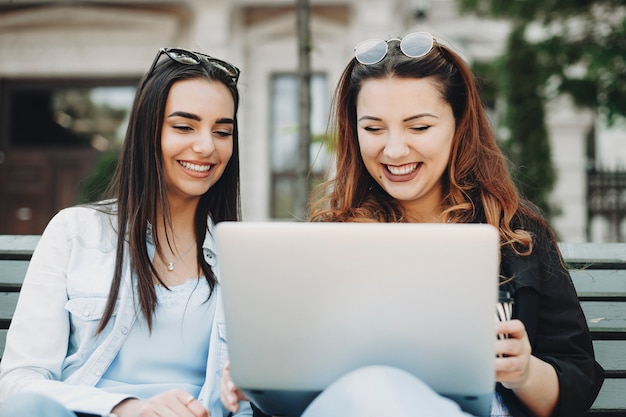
[
  {"x": 192, "y": 116},
  {"x": 186, "y": 115},
  {"x": 408, "y": 119}
]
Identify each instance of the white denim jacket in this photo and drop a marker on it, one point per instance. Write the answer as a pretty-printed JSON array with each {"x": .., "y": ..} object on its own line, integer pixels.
[{"x": 50, "y": 346}]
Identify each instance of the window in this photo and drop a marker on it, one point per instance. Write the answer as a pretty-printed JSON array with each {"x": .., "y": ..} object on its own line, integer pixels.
[
  {"x": 66, "y": 114},
  {"x": 53, "y": 134},
  {"x": 284, "y": 138}
]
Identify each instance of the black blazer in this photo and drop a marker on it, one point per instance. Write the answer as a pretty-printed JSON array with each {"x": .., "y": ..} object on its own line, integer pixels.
[{"x": 545, "y": 300}]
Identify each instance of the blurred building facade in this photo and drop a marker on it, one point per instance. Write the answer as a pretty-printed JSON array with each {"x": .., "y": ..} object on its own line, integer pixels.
[{"x": 77, "y": 64}]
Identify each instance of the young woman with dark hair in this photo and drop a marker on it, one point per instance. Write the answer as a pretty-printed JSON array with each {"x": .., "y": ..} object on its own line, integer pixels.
[{"x": 120, "y": 311}]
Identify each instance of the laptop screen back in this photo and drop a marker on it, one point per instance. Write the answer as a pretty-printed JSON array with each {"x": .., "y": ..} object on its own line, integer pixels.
[{"x": 306, "y": 303}]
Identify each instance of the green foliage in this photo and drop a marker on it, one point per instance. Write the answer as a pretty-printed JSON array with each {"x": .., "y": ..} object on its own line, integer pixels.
[
  {"x": 583, "y": 49},
  {"x": 325, "y": 139},
  {"x": 544, "y": 11},
  {"x": 487, "y": 75},
  {"x": 528, "y": 146},
  {"x": 95, "y": 186}
]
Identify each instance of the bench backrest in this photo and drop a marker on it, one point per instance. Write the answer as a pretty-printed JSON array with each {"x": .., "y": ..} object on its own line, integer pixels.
[
  {"x": 597, "y": 269},
  {"x": 599, "y": 274},
  {"x": 15, "y": 253}
]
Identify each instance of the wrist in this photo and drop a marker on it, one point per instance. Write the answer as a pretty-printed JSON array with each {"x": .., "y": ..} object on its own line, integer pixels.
[
  {"x": 532, "y": 368},
  {"x": 125, "y": 408}
]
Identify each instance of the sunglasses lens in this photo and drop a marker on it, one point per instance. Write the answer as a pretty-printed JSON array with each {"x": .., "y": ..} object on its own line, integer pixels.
[
  {"x": 233, "y": 72},
  {"x": 371, "y": 51},
  {"x": 182, "y": 56},
  {"x": 416, "y": 44}
]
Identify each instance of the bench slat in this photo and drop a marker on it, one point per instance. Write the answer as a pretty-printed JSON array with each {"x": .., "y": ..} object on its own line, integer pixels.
[
  {"x": 611, "y": 396},
  {"x": 8, "y": 301},
  {"x": 3, "y": 339},
  {"x": 597, "y": 253},
  {"x": 17, "y": 246},
  {"x": 612, "y": 356},
  {"x": 605, "y": 316},
  {"x": 12, "y": 274},
  {"x": 599, "y": 282}
]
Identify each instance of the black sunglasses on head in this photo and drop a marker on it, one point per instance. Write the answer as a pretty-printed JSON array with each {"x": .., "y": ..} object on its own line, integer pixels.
[{"x": 187, "y": 57}]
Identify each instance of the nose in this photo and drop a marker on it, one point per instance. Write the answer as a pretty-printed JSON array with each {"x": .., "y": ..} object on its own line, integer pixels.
[
  {"x": 203, "y": 144},
  {"x": 396, "y": 146}
]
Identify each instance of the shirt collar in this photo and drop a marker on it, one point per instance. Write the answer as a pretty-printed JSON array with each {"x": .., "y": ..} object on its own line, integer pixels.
[{"x": 208, "y": 246}]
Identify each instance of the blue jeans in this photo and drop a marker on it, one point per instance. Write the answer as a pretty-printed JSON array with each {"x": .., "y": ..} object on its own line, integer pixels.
[
  {"x": 376, "y": 391},
  {"x": 33, "y": 405}
]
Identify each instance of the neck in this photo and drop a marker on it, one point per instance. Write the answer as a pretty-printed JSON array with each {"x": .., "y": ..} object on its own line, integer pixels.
[
  {"x": 422, "y": 218},
  {"x": 425, "y": 210},
  {"x": 181, "y": 230},
  {"x": 176, "y": 261},
  {"x": 417, "y": 215}
]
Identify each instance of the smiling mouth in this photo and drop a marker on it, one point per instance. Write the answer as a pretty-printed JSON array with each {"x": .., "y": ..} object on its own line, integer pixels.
[
  {"x": 195, "y": 167},
  {"x": 403, "y": 169}
]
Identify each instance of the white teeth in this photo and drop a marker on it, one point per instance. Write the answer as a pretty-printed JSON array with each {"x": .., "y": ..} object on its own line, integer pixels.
[
  {"x": 402, "y": 170},
  {"x": 195, "y": 167}
]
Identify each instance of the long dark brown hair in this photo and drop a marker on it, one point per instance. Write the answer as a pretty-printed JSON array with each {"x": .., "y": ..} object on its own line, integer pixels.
[
  {"x": 138, "y": 186},
  {"x": 476, "y": 185}
]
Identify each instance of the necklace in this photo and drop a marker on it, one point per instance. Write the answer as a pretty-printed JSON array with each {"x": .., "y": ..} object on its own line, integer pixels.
[{"x": 170, "y": 265}]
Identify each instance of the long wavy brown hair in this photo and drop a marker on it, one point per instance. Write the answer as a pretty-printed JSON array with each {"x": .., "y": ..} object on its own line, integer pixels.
[{"x": 477, "y": 186}]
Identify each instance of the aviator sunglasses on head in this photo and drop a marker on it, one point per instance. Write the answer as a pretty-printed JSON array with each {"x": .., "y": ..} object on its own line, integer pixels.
[
  {"x": 184, "y": 56},
  {"x": 413, "y": 45}
]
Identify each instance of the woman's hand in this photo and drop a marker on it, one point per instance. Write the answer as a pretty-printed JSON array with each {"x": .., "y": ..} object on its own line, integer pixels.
[
  {"x": 229, "y": 393},
  {"x": 513, "y": 354},
  {"x": 175, "y": 402},
  {"x": 532, "y": 380}
]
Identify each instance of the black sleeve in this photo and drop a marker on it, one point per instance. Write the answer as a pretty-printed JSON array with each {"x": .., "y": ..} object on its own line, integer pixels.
[{"x": 547, "y": 303}]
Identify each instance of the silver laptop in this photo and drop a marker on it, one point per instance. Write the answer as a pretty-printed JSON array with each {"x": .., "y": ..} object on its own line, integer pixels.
[{"x": 306, "y": 303}]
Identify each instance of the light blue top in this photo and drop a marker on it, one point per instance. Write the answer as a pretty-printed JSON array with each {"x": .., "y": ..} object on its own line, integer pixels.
[{"x": 174, "y": 354}]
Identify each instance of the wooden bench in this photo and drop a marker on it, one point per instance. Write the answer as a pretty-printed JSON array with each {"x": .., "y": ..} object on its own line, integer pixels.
[
  {"x": 598, "y": 271},
  {"x": 599, "y": 274},
  {"x": 15, "y": 253}
]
